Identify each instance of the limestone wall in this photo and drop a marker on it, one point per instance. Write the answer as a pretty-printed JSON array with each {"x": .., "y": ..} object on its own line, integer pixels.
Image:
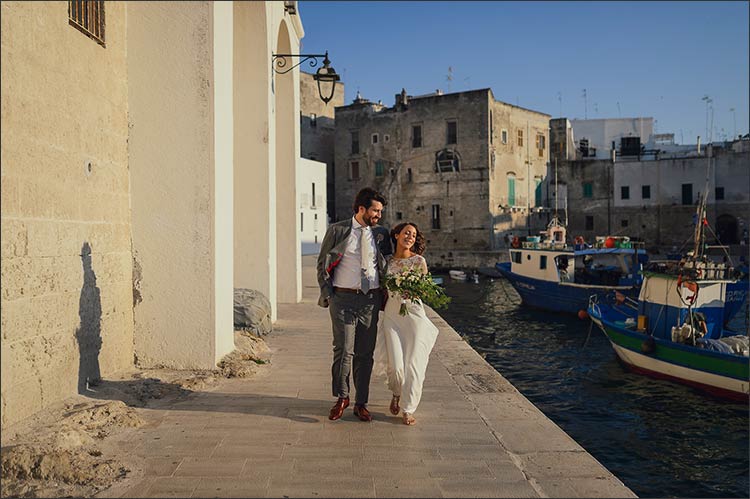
[
  {"x": 181, "y": 169},
  {"x": 66, "y": 304}
]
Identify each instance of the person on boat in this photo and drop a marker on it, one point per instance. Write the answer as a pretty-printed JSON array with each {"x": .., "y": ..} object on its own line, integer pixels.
[{"x": 405, "y": 341}]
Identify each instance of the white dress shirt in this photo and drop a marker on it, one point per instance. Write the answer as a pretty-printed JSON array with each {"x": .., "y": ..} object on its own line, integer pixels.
[{"x": 348, "y": 273}]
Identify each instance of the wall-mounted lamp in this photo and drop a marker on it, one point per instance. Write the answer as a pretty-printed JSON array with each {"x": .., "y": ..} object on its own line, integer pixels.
[{"x": 325, "y": 76}]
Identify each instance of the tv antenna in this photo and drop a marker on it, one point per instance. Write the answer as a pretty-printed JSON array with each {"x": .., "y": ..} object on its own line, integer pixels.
[
  {"x": 449, "y": 78},
  {"x": 585, "y": 105}
]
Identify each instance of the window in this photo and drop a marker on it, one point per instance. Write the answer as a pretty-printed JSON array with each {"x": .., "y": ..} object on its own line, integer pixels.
[
  {"x": 301, "y": 222},
  {"x": 511, "y": 190},
  {"x": 379, "y": 168},
  {"x": 435, "y": 216},
  {"x": 538, "y": 192},
  {"x": 543, "y": 261},
  {"x": 416, "y": 136},
  {"x": 374, "y": 138},
  {"x": 520, "y": 138},
  {"x": 354, "y": 170},
  {"x": 452, "y": 132},
  {"x": 625, "y": 192},
  {"x": 687, "y": 194},
  {"x": 624, "y": 222},
  {"x": 408, "y": 175},
  {"x": 313, "y": 195},
  {"x": 589, "y": 222},
  {"x": 399, "y": 215},
  {"x": 88, "y": 17},
  {"x": 447, "y": 161},
  {"x": 516, "y": 256},
  {"x": 645, "y": 192},
  {"x": 313, "y": 120},
  {"x": 386, "y": 138},
  {"x": 540, "y": 144},
  {"x": 588, "y": 190},
  {"x": 504, "y": 136},
  {"x": 719, "y": 193},
  {"x": 355, "y": 141}
]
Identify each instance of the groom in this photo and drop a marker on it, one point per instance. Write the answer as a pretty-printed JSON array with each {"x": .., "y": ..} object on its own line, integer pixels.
[{"x": 351, "y": 267}]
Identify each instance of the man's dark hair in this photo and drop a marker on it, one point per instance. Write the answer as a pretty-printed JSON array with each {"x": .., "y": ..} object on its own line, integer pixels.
[{"x": 366, "y": 196}]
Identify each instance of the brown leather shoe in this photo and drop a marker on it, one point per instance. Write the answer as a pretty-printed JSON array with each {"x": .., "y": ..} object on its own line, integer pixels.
[
  {"x": 362, "y": 413},
  {"x": 338, "y": 409}
]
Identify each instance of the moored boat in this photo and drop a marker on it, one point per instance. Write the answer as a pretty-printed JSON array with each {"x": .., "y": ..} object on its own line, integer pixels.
[
  {"x": 549, "y": 274},
  {"x": 677, "y": 329}
]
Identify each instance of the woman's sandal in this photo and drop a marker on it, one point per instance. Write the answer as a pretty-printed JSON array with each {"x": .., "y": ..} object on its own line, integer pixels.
[
  {"x": 409, "y": 419},
  {"x": 394, "y": 405}
]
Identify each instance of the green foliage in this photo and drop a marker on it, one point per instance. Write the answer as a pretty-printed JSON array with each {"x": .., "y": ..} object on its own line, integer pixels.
[{"x": 414, "y": 286}]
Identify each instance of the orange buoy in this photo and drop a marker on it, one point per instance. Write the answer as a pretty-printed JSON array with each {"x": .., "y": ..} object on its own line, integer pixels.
[
  {"x": 583, "y": 315},
  {"x": 516, "y": 242},
  {"x": 609, "y": 242}
]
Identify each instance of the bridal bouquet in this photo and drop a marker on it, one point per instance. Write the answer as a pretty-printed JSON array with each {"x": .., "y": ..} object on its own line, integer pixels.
[{"x": 415, "y": 286}]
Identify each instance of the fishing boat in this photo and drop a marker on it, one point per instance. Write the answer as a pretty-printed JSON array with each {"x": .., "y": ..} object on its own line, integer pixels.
[
  {"x": 678, "y": 327},
  {"x": 550, "y": 274},
  {"x": 675, "y": 330}
]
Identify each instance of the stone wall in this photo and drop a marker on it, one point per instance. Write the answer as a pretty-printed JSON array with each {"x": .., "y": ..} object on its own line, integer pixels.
[
  {"x": 416, "y": 192},
  {"x": 660, "y": 218},
  {"x": 317, "y": 130},
  {"x": 67, "y": 299}
]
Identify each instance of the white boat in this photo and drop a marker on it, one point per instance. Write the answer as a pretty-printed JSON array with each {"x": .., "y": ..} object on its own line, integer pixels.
[{"x": 458, "y": 275}]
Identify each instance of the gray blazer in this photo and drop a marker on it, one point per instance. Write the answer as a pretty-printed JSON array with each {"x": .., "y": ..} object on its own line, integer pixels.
[{"x": 332, "y": 250}]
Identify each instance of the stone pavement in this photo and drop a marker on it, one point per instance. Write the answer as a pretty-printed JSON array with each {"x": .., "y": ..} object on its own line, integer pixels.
[{"x": 476, "y": 435}]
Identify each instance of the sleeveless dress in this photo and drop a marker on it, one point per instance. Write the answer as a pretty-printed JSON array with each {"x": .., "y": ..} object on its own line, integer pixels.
[{"x": 404, "y": 343}]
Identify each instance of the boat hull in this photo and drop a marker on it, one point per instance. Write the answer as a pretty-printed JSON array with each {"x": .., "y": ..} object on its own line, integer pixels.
[
  {"x": 720, "y": 374},
  {"x": 556, "y": 297}
]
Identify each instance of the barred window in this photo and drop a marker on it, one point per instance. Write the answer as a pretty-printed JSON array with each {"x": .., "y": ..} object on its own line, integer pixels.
[{"x": 88, "y": 17}]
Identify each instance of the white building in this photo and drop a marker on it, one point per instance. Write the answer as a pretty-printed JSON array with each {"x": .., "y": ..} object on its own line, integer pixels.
[
  {"x": 311, "y": 189},
  {"x": 600, "y": 133}
]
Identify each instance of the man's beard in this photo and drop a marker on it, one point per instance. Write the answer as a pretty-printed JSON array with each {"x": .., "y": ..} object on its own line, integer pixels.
[{"x": 368, "y": 220}]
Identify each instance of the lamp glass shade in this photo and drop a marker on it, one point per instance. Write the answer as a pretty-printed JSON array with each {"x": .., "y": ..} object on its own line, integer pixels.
[{"x": 326, "y": 78}]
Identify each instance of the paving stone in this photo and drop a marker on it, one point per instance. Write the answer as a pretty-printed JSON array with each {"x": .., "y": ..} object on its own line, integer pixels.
[
  {"x": 221, "y": 487},
  {"x": 486, "y": 487},
  {"x": 172, "y": 487},
  {"x": 213, "y": 467},
  {"x": 584, "y": 487}
]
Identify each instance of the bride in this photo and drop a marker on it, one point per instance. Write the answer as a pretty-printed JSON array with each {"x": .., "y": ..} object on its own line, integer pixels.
[{"x": 405, "y": 342}]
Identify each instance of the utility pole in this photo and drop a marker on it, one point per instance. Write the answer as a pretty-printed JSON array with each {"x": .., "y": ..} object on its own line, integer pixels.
[
  {"x": 528, "y": 180},
  {"x": 559, "y": 99},
  {"x": 585, "y": 106},
  {"x": 708, "y": 101},
  {"x": 734, "y": 120}
]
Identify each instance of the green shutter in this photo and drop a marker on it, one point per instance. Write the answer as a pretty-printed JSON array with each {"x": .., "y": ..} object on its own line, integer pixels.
[
  {"x": 379, "y": 169},
  {"x": 538, "y": 193},
  {"x": 511, "y": 191}
]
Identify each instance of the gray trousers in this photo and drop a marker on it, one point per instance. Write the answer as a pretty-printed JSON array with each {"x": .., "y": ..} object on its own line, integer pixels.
[{"x": 354, "y": 320}]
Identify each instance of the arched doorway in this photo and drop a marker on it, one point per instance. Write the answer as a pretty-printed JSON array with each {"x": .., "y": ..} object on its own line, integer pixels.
[
  {"x": 726, "y": 229},
  {"x": 288, "y": 245}
]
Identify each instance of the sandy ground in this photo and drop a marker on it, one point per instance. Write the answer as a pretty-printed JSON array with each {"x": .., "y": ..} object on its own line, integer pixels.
[{"x": 71, "y": 448}]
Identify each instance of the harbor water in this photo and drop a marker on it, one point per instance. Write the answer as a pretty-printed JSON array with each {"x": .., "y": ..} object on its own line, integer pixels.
[{"x": 660, "y": 438}]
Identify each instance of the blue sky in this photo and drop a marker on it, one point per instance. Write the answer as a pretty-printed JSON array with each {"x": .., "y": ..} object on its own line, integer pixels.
[{"x": 655, "y": 59}]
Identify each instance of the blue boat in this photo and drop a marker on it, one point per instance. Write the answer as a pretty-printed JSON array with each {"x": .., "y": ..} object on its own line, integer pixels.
[
  {"x": 551, "y": 275},
  {"x": 677, "y": 329}
]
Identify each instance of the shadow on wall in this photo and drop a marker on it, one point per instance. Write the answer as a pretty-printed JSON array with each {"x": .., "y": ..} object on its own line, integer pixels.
[{"x": 89, "y": 332}]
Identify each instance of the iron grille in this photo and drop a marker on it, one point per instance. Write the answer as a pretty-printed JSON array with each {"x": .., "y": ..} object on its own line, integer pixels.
[{"x": 88, "y": 17}]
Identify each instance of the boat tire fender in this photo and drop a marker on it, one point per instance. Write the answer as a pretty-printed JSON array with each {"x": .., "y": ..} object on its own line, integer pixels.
[
  {"x": 516, "y": 243},
  {"x": 648, "y": 345}
]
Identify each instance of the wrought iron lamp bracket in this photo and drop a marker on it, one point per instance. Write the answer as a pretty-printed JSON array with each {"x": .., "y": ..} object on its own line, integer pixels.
[{"x": 279, "y": 61}]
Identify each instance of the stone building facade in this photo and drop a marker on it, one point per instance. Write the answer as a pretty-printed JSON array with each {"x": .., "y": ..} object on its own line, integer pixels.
[
  {"x": 145, "y": 174},
  {"x": 654, "y": 200},
  {"x": 466, "y": 168},
  {"x": 317, "y": 132}
]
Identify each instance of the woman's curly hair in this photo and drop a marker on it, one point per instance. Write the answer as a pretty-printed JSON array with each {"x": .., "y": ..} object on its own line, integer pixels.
[{"x": 419, "y": 241}]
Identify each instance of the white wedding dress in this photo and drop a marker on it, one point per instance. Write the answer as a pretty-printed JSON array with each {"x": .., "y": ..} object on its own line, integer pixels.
[{"x": 404, "y": 342}]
